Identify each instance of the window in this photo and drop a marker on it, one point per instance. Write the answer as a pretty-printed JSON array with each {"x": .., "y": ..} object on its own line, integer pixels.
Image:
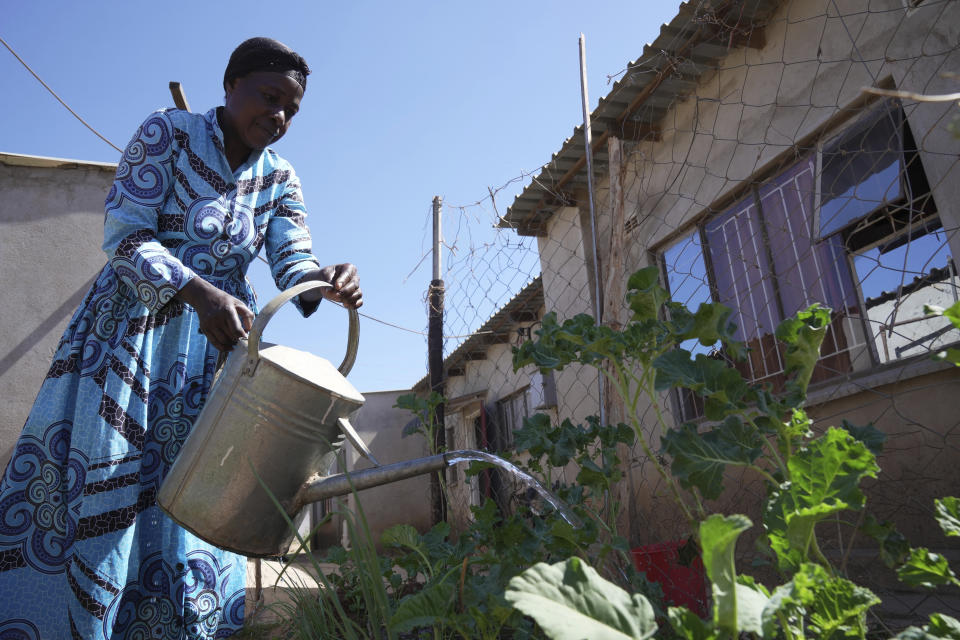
[
  {"x": 851, "y": 225},
  {"x": 511, "y": 412},
  {"x": 861, "y": 169}
]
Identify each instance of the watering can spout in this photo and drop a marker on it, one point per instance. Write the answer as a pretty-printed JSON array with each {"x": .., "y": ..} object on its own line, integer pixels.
[
  {"x": 356, "y": 440},
  {"x": 320, "y": 487}
]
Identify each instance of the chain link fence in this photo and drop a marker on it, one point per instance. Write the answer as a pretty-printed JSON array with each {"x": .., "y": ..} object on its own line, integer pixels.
[{"x": 765, "y": 155}]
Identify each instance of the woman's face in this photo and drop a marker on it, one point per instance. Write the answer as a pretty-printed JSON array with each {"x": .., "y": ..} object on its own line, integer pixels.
[{"x": 260, "y": 106}]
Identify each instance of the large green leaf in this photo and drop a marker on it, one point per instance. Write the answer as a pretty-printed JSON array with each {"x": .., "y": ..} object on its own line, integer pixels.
[
  {"x": 829, "y": 470},
  {"x": 645, "y": 295},
  {"x": 718, "y": 538},
  {"x": 926, "y": 569},
  {"x": 687, "y": 625},
  {"x": 720, "y": 384},
  {"x": 570, "y": 601},
  {"x": 824, "y": 480},
  {"x": 783, "y": 608},
  {"x": 401, "y": 535},
  {"x": 839, "y": 607},
  {"x": 751, "y": 601},
  {"x": 709, "y": 324},
  {"x": 941, "y": 627},
  {"x": 699, "y": 460},
  {"x": 948, "y": 515},
  {"x": 424, "y": 608},
  {"x": 894, "y": 548},
  {"x": 835, "y": 607},
  {"x": 869, "y": 435},
  {"x": 802, "y": 334}
]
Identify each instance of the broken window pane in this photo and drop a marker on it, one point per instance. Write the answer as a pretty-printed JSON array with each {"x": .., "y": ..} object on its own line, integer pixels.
[
  {"x": 687, "y": 279},
  {"x": 897, "y": 279},
  {"x": 861, "y": 170}
]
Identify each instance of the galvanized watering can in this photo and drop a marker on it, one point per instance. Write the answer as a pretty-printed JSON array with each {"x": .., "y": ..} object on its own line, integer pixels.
[
  {"x": 275, "y": 416},
  {"x": 273, "y": 412}
]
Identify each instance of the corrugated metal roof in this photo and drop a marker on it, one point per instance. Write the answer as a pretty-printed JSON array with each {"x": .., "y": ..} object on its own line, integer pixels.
[
  {"x": 497, "y": 329},
  {"x": 669, "y": 69}
]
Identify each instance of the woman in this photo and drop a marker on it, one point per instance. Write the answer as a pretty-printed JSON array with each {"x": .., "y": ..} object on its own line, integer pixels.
[{"x": 84, "y": 550}]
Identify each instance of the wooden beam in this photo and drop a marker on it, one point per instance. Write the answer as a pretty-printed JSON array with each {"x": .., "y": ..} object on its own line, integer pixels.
[
  {"x": 523, "y": 315},
  {"x": 498, "y": 337},
  {"x": 633, "y": 131},
  {"x": 179, "y": 97}
]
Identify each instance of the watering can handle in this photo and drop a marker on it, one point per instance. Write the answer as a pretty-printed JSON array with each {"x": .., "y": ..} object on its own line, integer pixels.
[{"x": 260, "y": 323}]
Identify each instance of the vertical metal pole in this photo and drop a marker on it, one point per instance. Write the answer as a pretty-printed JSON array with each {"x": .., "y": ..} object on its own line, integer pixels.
[
  {"x": 435, "y": 356},
  {"x": 588, "y": 144}
]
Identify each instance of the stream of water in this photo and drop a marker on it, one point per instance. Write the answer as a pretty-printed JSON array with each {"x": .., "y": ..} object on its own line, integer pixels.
[{"x": 529, "y": 481}]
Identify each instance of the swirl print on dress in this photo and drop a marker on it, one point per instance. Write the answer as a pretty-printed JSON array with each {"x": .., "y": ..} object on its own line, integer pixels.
[{"x": 84, "y": 550}]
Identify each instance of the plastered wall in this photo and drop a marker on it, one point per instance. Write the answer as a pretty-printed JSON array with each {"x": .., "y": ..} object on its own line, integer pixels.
[{"x": 51, "y": 229}]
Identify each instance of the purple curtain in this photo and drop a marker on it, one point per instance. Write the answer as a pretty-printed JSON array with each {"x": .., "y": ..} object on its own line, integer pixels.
[
  {"x": 742, "y": 270},
  {"x": 806, "y": 271}
]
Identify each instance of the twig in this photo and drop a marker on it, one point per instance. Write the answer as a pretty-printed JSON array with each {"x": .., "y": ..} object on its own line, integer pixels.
[{"x": 909, "y": 95}]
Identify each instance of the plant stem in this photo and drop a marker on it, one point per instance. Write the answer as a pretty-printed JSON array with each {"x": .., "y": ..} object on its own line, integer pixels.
[
  {"x": 769, "y": 445},
  {"x": 853, "y": 536},
  {"x": 766, "y": 474},
  {"x": 783, "y": 625},
  {"x": 677, "y": 496},
  {"x": 818, "y": 554}
]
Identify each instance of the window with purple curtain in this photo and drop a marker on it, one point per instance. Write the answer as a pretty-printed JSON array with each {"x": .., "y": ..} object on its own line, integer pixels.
[
  {"x": 741, "y": 267},
  {"x": 788, "y": 244}
]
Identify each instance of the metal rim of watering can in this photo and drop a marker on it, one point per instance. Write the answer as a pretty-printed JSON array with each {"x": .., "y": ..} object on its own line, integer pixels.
[{"x": 260, "y": 323}]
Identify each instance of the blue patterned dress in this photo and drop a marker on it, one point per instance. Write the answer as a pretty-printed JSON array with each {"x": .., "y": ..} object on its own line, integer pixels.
[{"x": 84, "y": 550}]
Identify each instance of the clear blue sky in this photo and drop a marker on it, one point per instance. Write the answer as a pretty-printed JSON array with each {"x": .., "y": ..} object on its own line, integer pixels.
[{"x": 407, "y": 100}]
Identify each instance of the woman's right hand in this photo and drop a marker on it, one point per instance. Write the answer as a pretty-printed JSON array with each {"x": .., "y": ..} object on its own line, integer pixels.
[{"x": 223, "y": 318}]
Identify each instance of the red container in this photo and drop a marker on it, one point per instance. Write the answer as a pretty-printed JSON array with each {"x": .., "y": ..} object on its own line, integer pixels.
[{"x": 682, "y": 585}]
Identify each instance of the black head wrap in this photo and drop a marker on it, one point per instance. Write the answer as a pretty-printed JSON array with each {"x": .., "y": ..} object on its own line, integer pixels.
[{"x": 266, "y": 54}]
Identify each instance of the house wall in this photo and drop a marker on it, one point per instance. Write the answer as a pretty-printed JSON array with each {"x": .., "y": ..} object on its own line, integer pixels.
[
  {"x": 403, "y": 502},
  {"x": 51, "y": 229},
  {"x": 758, "y": 103},
  {"x": 484, "y": 383},
  {"x": 567, "y": 291},
  {"x": 741, "y": 121}
]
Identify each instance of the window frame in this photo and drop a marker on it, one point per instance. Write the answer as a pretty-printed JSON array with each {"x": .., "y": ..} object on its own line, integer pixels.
[
  {"x": 868, "y": 115},
  {"x": 829, "y": 133},
  {"x": 504, "y": 428}
]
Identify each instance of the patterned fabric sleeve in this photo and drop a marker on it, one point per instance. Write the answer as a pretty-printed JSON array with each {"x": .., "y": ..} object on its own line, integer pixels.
[
  {"x": 288, "y": 243},
  {"x": 144, "y": 180}
]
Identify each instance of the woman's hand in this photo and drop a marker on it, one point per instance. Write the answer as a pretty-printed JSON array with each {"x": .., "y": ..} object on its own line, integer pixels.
[
  {"x": 346, "y": 285},
  {"x": 223, "y": 318}
]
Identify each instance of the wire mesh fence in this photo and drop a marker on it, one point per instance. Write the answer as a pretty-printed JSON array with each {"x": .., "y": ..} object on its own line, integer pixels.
[{"x": 765, "y": 155}]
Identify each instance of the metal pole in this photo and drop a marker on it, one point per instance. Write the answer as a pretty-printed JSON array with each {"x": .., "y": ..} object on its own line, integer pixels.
[
  {"x": 588, "y": 144},
  {"x": 435, "y": 355},
  {"x": 437, "y": 236}
]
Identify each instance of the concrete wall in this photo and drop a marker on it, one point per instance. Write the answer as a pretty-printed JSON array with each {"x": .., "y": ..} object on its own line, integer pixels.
[
  {"x": 751, "y": 111},
  {"x": 403, "y": 502},
  {"x": 51, "y": 229}
]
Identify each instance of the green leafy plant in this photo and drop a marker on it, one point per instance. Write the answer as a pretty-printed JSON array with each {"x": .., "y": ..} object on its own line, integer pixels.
[
  {"x": 810, "y": 478},
  {"x": 523, "y": 574},
  {"x": 570, "y": 601},
  {"x": 354, "y": 603}
]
